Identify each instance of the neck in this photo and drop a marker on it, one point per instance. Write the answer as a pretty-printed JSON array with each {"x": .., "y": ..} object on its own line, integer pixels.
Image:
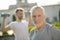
[{"x": 18, "y": 20}]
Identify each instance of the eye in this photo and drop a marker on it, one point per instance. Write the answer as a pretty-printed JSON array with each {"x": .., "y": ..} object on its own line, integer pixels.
[
  {"x": 34, "y": 16},
  {"x": 39, "y": 15}
]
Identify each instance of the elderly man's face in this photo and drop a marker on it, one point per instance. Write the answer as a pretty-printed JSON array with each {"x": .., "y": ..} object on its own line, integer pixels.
[{"x": 38, "y": 16}]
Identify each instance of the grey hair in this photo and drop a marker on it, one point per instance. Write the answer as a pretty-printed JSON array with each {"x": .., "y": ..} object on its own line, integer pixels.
[{"x": 34, "y": 8}]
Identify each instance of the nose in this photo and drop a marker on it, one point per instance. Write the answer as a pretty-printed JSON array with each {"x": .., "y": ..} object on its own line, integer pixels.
[{"x": 36, "y": 19}]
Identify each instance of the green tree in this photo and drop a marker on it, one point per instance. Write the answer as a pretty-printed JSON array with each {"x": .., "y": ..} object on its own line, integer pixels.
[
  {"x": 59, "y": 15},
  {"x": 14, "y": 18}
]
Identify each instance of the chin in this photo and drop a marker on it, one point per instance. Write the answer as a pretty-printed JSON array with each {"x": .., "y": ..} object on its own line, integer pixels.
[{"x": 19, "y": 18}]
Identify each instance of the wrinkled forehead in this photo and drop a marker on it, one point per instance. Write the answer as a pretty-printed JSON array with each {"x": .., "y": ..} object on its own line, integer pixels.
[{"x": 37, "y": 11}]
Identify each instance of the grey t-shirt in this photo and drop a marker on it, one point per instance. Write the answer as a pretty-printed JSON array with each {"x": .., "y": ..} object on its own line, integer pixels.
[{"x": 48, "y": 32}]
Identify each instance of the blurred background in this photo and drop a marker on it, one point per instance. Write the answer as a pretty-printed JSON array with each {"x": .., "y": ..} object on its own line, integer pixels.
[{"x": 52, "y": 12}]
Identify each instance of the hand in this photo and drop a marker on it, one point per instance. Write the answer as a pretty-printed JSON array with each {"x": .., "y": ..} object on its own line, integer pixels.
[{"x": 5, "y": 16}]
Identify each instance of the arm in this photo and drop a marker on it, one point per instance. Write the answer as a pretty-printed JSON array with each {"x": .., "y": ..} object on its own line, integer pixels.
[
  {"x": 3, "y": 25},
  {"x": 29, "y": 19}
]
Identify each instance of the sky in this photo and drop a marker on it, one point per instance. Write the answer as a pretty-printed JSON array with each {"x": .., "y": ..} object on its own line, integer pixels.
[{"x": 4, "y": 4}]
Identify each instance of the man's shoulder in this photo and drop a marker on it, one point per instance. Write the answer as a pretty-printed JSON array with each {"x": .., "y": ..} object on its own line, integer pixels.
[
  {"x": 33, "y": 29},
  {"x": 51, "y": 27},
  {"x": 24, "y": 21},
  {"x": 13, "y": 22}
]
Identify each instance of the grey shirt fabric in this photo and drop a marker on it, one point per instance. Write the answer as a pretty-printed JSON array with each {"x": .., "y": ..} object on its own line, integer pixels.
[{"x": 48, "y": 32}]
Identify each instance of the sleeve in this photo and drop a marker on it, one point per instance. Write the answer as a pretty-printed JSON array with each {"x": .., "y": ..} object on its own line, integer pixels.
[
  {"x": 10, "y": 25},
  {"x": 55, "y": 33},
  {"x": 26, "y": 23}
]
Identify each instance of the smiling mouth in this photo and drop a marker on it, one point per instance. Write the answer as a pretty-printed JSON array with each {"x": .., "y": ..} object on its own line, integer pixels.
[{"x": 37, "y": 22}]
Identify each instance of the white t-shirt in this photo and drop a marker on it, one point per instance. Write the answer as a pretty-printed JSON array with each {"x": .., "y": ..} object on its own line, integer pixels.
[{"x": 20, "y": 30}]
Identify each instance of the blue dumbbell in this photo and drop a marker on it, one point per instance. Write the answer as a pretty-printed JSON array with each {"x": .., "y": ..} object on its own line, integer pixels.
[{"x": 2, "y": 14}]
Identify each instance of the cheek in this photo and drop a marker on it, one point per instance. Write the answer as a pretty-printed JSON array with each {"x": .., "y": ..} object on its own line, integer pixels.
[
  {"x": 18, "y": 15},
  {"x": 34, "y": 18},
  {"x": 42, "y": 18}
]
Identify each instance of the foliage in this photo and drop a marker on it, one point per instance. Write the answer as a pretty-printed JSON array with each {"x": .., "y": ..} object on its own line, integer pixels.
[
  {"x": 57, "y": 24},
  {"x": 30, "y": 27},
  {"x": 14, "y": 18}
]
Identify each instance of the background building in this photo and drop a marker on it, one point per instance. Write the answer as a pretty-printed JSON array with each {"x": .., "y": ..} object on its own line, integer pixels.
[{"x": 52, "y": 12}]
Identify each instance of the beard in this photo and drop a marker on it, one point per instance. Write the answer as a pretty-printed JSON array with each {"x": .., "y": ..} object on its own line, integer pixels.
[{"x": 20, "y": 18}]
